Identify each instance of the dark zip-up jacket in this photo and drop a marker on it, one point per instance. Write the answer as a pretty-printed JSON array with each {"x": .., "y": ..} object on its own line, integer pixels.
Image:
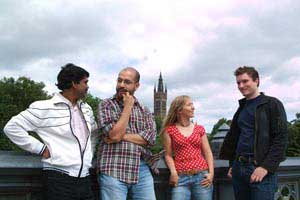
[{"x": 270, "y": 134}]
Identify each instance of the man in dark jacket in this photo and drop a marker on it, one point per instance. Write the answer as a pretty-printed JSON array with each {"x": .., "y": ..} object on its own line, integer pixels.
[{"x": 256, "y": 142}]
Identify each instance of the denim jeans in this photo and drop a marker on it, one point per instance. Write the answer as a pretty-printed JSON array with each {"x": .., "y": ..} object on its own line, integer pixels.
[
  {"x": 113, "y": 189},
  {"x": 243, "y": 189},
  {"x": 189, "y": 187}
]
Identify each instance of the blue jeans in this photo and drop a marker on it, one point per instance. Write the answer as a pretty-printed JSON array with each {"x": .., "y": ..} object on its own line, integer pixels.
[
  {"x": 113, "y": 189},
  {"x": 189, "y": 187},
  {"x": 243, "y": 189}
]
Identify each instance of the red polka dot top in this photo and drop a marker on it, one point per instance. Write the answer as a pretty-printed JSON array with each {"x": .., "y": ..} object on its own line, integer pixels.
[{"x": 187, "y": 150}]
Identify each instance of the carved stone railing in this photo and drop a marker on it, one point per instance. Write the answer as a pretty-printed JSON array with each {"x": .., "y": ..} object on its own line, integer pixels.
[{"x": 20, "y": 178}]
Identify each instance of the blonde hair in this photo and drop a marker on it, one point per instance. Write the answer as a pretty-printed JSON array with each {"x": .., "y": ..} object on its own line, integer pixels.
[{"x": 172, "y": 116}]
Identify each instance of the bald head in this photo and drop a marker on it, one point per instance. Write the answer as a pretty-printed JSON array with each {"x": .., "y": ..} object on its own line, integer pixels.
[{"x": 131, "y": 69}]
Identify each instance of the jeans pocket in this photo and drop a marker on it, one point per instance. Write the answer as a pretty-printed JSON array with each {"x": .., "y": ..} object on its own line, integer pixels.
[
  {"x": 268, "y": 184},
  {"x": 203, "y": 174},
  {"x": 183, "y": 180}
]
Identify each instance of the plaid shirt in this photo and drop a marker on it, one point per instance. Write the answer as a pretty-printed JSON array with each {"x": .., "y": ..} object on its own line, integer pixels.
[{"x": 122, "y": 160}]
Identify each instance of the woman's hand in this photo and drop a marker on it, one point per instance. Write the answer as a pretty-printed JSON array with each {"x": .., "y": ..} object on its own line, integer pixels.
[
  {"x": 208, "y": 180},
  {"x": 174, "y": 179}
]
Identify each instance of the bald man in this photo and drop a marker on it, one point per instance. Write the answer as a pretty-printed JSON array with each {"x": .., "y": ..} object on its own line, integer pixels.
[{"x": 128, "y": 131}]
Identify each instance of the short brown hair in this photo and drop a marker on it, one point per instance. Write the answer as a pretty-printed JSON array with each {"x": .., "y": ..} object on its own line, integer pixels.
[{"x": 251, "y": 71}]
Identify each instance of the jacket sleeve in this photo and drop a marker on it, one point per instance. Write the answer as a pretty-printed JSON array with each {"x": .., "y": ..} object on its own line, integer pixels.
[
  {"x": 227, "y": 149},
  {"x": 17, "y": 129},
  {"x": 279, "y": 134},
  {"x": 94, "y": 131}
]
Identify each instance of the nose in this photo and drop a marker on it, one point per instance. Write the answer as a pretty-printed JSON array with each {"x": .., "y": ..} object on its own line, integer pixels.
[{"x": 240, "y": 85}]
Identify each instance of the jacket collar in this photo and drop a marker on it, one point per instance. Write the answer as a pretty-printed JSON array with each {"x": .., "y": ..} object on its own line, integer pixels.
[
  {"x": 59, "y": 98},
  {"x": 264, "y": 99}
]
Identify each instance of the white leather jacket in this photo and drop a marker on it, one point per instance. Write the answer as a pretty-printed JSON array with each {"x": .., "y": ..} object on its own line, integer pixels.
[{"x": 51, "y": 120}]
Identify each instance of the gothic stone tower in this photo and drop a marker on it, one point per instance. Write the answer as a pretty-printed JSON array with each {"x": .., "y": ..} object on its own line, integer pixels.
[{"x": 160, "y": 99}]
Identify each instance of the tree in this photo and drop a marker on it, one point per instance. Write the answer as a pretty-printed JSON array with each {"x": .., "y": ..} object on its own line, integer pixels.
[
  {"x": 217, "y": 126},
  {"x": 16, "y": 96},
  {"x": 93, "y": 102},
  {"x": 293, "y": 149},
  {"x": 158, "y": 146}
]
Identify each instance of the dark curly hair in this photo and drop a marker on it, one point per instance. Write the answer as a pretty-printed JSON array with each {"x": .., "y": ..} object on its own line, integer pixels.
[{"x": 68, "y": 74}]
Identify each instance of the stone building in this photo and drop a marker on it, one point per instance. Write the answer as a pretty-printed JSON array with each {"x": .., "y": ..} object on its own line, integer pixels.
[
  {"x": 218, "y": 139},
  {"x": 160, "y": 98}
]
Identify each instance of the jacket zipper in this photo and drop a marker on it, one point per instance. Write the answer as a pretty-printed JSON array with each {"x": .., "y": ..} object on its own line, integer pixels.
[
  {"x": 255, "y": 136},
  {"x": 87, "y": 128},
  {"x": 81, "y": 155}
]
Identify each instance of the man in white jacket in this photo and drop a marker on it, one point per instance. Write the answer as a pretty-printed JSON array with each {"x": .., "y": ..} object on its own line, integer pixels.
[{"x": 66, "y": 127}]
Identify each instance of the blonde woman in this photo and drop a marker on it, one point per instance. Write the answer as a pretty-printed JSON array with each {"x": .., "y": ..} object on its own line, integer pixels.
[{"x": 188, "y": 154}]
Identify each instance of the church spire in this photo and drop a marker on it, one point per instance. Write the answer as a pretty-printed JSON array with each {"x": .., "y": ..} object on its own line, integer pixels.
[
  {"x": 160, "y": 98},
  {"x": 166, "y": 91},
  {"x": 160, "y": 84}
]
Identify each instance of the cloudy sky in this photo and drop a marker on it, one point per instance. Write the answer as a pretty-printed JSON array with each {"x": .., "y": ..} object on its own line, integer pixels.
[{"x": 195, "y": 44}]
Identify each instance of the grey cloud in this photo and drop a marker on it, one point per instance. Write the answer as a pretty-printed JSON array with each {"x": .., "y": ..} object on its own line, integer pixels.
[
  {"x": 29, "y": 33},
  {"x": 92, "y": 34},
  {"x": 267, "y": 40}
]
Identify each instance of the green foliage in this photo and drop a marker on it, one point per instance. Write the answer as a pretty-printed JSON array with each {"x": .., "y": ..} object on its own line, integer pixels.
[
  {"x": 16, "y": 96},
  {"x": 217, "y": 126},
  {"x": 293, "y": 149},
  {"x": 93, "y": 102},
  {"x": 158, "y": 146}
]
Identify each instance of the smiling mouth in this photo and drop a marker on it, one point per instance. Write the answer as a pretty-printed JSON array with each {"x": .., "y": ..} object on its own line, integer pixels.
[{"x": 243, "y": 90}]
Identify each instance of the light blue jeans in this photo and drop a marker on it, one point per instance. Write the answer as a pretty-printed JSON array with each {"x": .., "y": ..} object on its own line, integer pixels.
[
  {"x": 113, "y": 189},
  {"x": 189, "y": 187}
]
